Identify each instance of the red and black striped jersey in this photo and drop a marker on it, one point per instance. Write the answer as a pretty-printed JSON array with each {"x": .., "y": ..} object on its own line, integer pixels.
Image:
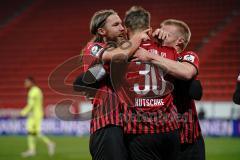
[
  {"x": 146, "y": 92},
  {"x": 106, "y": 106},
  {"x": 189, "y": 127}
]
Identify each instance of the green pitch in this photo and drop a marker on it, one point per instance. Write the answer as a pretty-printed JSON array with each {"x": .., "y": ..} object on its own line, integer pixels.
[
  {"x": 67, "y": 148},
  {"x": 76, "y": 148},
  {"x": 222, "y": 148}
]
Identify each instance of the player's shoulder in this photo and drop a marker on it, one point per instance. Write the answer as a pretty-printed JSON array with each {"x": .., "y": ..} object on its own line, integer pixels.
[
  {"x": 35, "y": 90},
  {"x": 92, "y": 44},
  {"x": 166, "y": 49},
  {"x": 93, "y": 48},
  {"x": 189, "y": 53}
]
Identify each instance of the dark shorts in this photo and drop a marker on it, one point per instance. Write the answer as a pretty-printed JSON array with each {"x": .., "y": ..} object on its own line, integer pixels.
[
  {"x": 162, "y": 146},
  {"x": 194, "y": 151},
  {"x": 108, "y": 144}
]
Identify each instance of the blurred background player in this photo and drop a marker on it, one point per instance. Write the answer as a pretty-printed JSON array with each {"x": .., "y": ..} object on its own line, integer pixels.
[
  {"x": 236, "y": 95},
  {"x": 34, "y": 112}
]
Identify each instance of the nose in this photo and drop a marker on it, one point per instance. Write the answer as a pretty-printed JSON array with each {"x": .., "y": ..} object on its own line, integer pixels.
[{"x": 121, "y": 28}]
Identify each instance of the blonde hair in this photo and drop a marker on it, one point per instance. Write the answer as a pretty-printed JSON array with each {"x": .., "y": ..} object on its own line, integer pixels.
[
  {"x": 98, "y": 20},
  {"x": 183, "y": 28}
]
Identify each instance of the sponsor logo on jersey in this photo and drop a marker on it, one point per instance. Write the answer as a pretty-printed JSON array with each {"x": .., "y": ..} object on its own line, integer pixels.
[
  {"x": 189, "y": 58},
  {"x": 96, "y": 50}
]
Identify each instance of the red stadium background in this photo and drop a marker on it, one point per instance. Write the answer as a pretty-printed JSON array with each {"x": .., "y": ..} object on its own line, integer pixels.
[{"x": 38, "y": 35}]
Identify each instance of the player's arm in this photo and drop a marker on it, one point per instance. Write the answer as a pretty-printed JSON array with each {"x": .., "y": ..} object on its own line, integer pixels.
[
  {"x": 89, "y": 81},
  {"x": 195, "y": 90},
  {"x": 25, "y": 110},
  {"x": 96, "y": 71},
  {"x": 127, "y": 48},
  {"x": 87, "y": 84},
  {"x": 176, "y": 69},
  {"x": 29, "y": 106},
  {"x": 85, "y": 80},
  {"x": 181, "y": 70},
  {"x": 236, "y": 95}
]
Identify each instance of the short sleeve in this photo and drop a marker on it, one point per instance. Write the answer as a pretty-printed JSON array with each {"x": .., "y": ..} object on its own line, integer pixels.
[
  {"x": 91, "y": 54},
  {"x": 190, "y": 57}
]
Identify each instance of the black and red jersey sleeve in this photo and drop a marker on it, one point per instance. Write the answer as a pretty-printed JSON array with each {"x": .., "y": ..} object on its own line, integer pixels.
[
  {"x": 190, "y": 57},
  {"x": 92, "y": 54}
]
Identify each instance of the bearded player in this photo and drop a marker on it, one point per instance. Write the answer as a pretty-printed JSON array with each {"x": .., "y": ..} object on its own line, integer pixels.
[{"x": 106, "y": 141}]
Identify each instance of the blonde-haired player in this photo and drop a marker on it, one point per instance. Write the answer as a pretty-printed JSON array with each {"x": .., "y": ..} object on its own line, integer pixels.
[{"x": 176, "y": 33}]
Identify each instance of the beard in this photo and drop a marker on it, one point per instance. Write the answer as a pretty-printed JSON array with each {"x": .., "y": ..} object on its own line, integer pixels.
[
  {"x": 114, "y": 42},
  {"x": 119, "y": 39}
]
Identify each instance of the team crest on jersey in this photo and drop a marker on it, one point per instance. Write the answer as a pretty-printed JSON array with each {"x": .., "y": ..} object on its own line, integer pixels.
[
  {"x": 96, "y": 50},
  {"x": 189, "y": 58}
]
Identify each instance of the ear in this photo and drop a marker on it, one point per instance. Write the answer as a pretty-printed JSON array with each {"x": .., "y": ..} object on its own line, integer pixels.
[
  {"x": 150, "y": 31},
  {"x": 180, "y": 41},
  {"x": 125, "y": 29},
  {"x": 101, "y": 31}
]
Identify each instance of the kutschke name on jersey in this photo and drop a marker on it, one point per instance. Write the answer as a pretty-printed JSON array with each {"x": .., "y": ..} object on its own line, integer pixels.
[{"x": 145, "y": 102}]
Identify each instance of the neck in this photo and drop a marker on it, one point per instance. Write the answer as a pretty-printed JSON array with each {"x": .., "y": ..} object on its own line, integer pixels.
[
  {"x": 105, "y": 40},
  {"x": 179, "y": 50},
  {"x": 132, "y": 33},
  {"x": 29, "y": 87}
]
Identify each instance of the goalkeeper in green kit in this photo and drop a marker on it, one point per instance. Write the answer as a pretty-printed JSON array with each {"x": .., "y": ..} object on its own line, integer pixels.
[{"x": 34, "y": 112}]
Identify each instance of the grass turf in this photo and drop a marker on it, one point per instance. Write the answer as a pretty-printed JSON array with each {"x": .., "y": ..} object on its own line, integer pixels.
[{"x": 76, "y": 148}]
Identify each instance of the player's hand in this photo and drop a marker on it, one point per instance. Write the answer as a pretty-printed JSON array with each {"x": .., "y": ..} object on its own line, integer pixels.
[
  {"x": 238, "y": 79},
  {"x": 20, "y": 114},
  {"x": 142, "y": 36},
  {"x": 145, "y": 34},
  {"x": 160, "y": 34},
  {"x": 141, "y": 55}
]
